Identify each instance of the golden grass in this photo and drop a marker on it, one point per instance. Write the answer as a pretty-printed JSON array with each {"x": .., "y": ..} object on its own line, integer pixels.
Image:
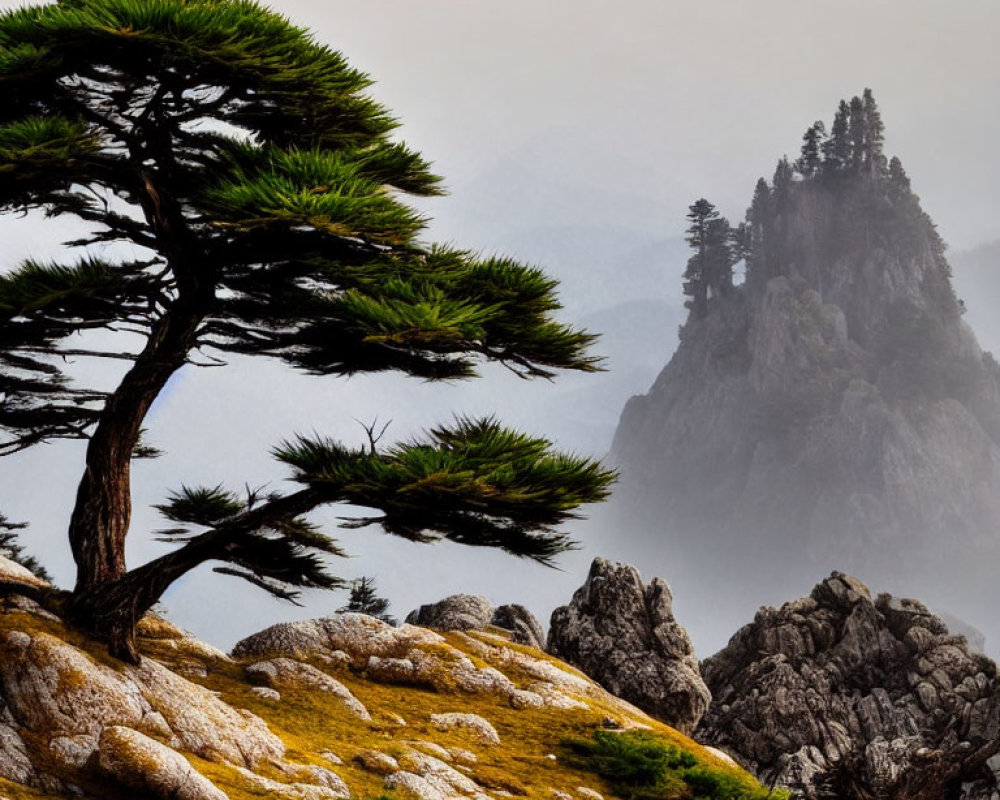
[{"x": 310, "y": 722}]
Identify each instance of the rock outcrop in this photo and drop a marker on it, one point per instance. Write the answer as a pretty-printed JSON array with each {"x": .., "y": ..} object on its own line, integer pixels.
[
  {"x": 842, "y": 695},
  {"x": 463, "y": 612},
  {"x": 522, "y": 624},
  {"x": 624, "y": 635},
  {"x": 459, "y": 612}
]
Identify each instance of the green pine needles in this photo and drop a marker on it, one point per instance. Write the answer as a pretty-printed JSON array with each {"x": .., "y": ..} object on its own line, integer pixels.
[{"x": 254, "y": 186}]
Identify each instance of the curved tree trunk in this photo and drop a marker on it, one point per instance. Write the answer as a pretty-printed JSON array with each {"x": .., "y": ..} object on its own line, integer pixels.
[
  {"x": 103, "y": 509},
  {"x": 111, "y": 610}
]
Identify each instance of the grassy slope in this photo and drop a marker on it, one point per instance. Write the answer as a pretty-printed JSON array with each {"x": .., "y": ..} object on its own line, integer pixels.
[{"x": 311, "y": 722}]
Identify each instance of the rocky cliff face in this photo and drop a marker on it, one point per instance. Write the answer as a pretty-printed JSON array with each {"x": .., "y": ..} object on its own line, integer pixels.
[
  {"x": 837, "y": 695},
  {"x": 623, "y": 634},
  {"x": 345, "y": 706},
  {"x": 834, "y": 410}
]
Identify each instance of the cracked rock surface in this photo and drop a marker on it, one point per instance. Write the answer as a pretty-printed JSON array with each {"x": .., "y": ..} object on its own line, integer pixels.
[
  {"x": 842, "y": 695},
  {"x": 622, "y": 633}
]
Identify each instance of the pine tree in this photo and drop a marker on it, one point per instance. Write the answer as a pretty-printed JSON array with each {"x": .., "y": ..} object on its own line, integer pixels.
[
  {"x": 811, "y": 158},
  {"x": 781, "y": 185},
  {"x": 874, "y": 135},
  {"x": 364, "y": 599},
  {"x": 251, "y": 193},
  {"x": 720, "y": 256},
  {"x": 740, "y": 242},
  {"x": 709, "y": 271},
  {"x": 758, "y": 218},
  {"x": 696, "y": 277},
  {"x": 837, "y": 148},
  {"x": 856, "y": 133}
]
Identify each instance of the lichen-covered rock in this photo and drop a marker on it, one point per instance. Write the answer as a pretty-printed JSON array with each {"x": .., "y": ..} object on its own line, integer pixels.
[
  {"x": 357, "y": 635},
  {"x": 15, "y": 765},
  {"x": 558, "y": 687},
  {"x": 624, "y": 635},
  {"x": 839, "y": 692},
  {"x": 439, "y": 773},
  {"x": 73, "y": 752},
  {"x": 275, "y": 790},
  {"x": 377, "y": 762},
  {"x": 525, "y": 628},
  {"x": 16, "y": 573},
  {"x": 143, "y": 765},
  {"x": 54, "y": 689},
  {"x": 465, "y": 612},
  {"x": 460, "y": 612},
  {"x": 479, "y": 727},
  {"x": 50, "y": 686},
  {"x": 442, "y": 669},
  {"x": 200, "y": 722},
  {"x": 284, "y": 672},
  {"x": 312, "y": 775},
  {"x": 428, "y": 777},
  {"x": 76, "y": 722},
  {"x": 431, "y": 748},
  {"x": 414, "y": 787}
]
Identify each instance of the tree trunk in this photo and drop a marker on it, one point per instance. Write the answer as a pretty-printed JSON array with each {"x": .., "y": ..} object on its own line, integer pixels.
[
  {"x": 103, "y": 509},
  {"x": 111, "y": 609}
]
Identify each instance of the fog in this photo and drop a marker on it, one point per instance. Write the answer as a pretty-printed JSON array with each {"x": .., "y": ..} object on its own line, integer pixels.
[{"x": 572, "y": 135}]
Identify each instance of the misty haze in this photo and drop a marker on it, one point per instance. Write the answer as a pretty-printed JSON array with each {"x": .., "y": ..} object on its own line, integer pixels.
[
  {"x": 458, "y": 401},
  {"x": 577, "y": 141}
]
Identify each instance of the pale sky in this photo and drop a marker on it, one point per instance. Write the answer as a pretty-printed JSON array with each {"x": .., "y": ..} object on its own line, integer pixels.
[{"x": 573, "y": 135}]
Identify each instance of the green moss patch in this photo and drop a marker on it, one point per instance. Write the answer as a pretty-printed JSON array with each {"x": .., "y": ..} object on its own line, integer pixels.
[{"x": 639, "y": 765}]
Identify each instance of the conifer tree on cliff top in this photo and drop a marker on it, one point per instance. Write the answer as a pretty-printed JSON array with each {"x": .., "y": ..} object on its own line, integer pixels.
[{"x": 258, "y": 190}]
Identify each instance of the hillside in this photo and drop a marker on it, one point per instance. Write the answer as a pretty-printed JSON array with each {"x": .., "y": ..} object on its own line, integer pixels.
[
  {"x": 834, "y": 411},
  {"x": 330, "y": 708}
]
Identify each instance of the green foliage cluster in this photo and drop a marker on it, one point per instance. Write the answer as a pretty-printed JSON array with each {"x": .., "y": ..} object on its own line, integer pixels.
[
  {"x": 474, "y": 482},
  {"x": 641, "y": 766},
  {"x": 262, "y": 183}
]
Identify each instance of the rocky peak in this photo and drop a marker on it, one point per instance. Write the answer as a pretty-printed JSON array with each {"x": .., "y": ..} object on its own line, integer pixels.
[
  {"x": 833, "y": 409},
  {"x": 623, "y": 634},
  {"x": 840, "y": 695}
]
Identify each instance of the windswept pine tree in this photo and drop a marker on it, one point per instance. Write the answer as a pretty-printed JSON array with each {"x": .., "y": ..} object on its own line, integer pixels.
[{"x": 245, "y": 195}]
